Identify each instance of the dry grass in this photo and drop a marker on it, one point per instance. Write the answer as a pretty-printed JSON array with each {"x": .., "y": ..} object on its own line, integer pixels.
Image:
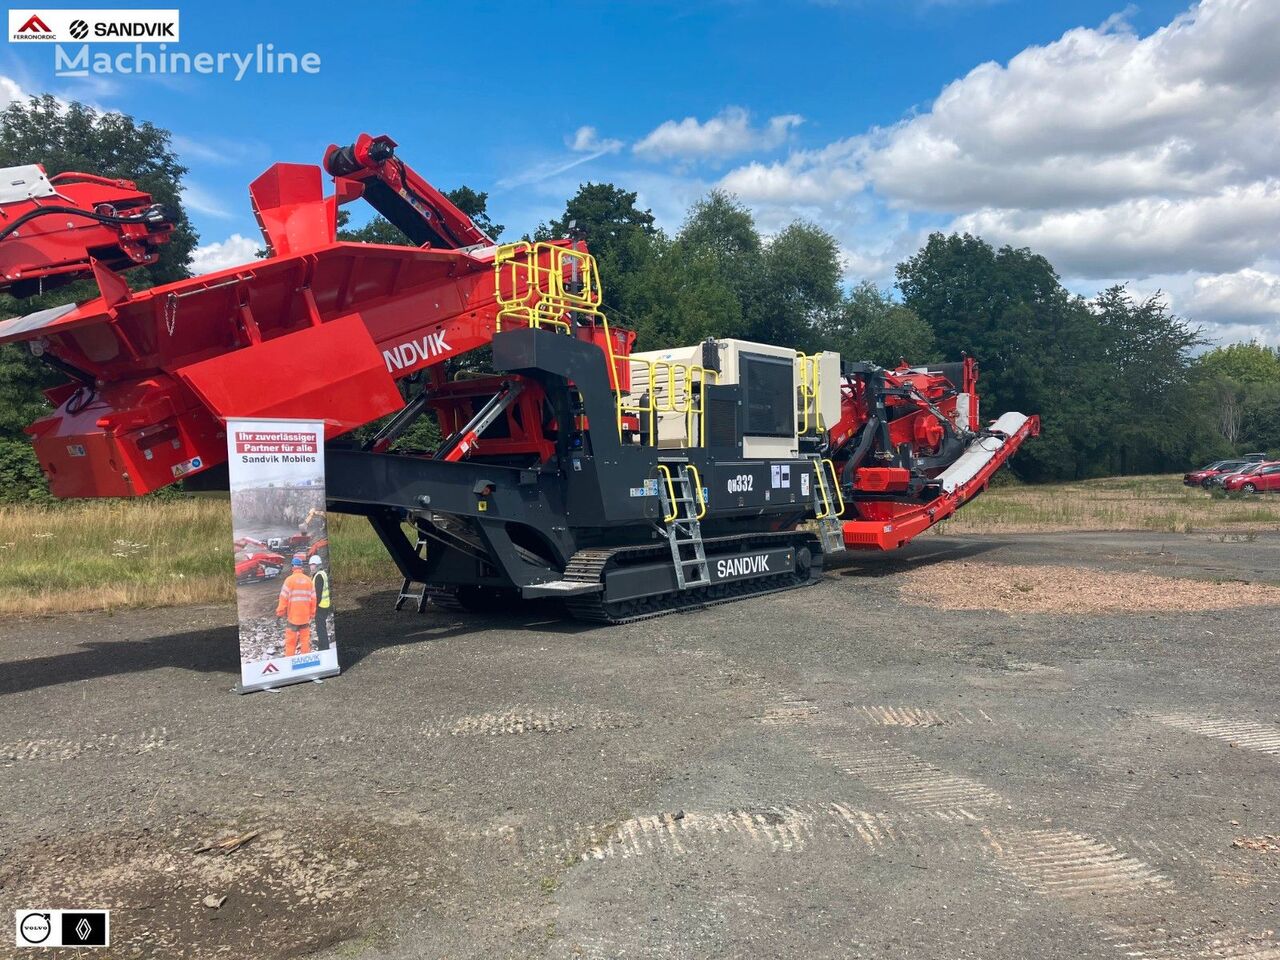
[
  {"x": 1118, "y": 503},
  {"x": 103, "y": 555},
  {"x": 1057, "y": 589}
]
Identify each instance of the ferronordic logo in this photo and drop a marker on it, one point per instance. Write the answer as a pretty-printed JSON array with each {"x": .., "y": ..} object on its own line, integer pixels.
[
  {"x": 35, "y": 25},
  {"x": 269, "y": 668}
]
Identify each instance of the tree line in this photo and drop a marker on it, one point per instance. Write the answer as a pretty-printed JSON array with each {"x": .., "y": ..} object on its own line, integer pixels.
[{"x": 1123, "y": 385}]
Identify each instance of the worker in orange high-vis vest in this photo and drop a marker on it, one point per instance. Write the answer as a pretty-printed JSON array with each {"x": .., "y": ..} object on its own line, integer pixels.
[{"x": 297, "y": 605}]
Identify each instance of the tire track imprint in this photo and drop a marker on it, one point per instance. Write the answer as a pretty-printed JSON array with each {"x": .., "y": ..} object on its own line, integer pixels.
[
  {"x": 912, "y": 781},
  {"x": 1150, "y": 940},
  {"x": 889, "y": 716},
  {"x": 526, "y": 719},
  {"x": 1067, "y": 864},
  {"x": 790, "y": 713},
  {"x": 784, "y": 828},
  {"x": 1246, "y": 734},
  {"x": 66, "y": 748}
]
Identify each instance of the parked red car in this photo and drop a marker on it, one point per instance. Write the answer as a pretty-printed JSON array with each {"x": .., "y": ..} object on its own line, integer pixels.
[
  {"x": 1265, "y": 478},
  {"x": 1197, "y": 478}
]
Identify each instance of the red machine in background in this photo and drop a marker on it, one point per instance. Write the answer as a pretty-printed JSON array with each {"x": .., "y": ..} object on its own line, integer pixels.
[{"x": 321, "y": 329}]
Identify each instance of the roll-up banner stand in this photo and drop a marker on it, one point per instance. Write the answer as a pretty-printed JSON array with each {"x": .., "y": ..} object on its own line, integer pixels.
[{"x": 284, "y": 593}]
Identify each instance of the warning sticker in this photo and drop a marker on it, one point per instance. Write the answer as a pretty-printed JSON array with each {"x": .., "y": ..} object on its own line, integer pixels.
[{"x": 650, "y": 489}]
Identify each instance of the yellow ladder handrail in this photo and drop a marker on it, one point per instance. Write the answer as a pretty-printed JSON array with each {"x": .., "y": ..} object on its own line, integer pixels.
[
  {"x": 835, "y": 482},
  {"x": 539, "y": 295},
  {"x": 671, "y": 493},
  {"x": 697, "y": 487},
  {"x": 827, "y": 508}
]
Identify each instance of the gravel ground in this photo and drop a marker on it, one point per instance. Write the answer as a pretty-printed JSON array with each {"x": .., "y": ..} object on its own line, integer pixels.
[{"x": 829, "y": 772}]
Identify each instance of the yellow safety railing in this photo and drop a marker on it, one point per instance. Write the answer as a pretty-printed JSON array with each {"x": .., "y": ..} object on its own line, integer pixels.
[
  {"x": 810, "y": 380},
  {"x": 826, "y": 507},
  {"x": 695, "y": 479},
  {"x": 665, "y": 471},
  {"x": 539, "y": 284},
  {"x": 668, "y": 386},
  {"x": 532, "y": 289},
  {"x": 697, "y": 491}
]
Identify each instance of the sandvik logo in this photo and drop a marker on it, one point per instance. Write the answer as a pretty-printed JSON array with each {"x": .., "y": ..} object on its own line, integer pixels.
[
  {"x": 409, "y": 354},
  {"x": 305, "y": 662}
]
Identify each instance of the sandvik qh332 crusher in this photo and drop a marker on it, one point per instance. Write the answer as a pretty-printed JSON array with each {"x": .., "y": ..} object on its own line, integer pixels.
[{"x": 626, "y": 484}]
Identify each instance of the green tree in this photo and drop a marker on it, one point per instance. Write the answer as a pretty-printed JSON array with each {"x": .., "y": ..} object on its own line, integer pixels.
[
  {"x": 869, "y": 325},
  {"x": 1242, "y": 363},
  {"x": 1150, "y": 351},
  {"x": 607, "y": 218},
  {"x": 1240, "y": 385},
  {"x": 799, "y": 289},
  {"x": 1040, "y": 347},
  {"x": 720, "y": 224}
]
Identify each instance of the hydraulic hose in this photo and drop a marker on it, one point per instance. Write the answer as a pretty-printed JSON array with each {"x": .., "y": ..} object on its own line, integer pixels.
[
  {"x": 860, "y": 451},
  {"x": 153, "y": 214}
]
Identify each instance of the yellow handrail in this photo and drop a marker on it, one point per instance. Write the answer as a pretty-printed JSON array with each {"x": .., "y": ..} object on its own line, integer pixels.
[
  {"x": 835, "y": 482},
  {"x": 668, "y": 387},
  {"x": 671, "y": 493},
  {"x": 697, "y": 486},
  {"x": 531, "y": 289},
  {"x": 810, "y": 381},
  {"x": 538, "y": 294}
]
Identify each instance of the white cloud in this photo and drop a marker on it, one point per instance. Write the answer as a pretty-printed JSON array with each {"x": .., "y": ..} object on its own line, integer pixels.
[
  {"x": 587, "y": 140},
  {"x": 1098, "y": 115},
  {"x": 10, "y": 90},
  {"x": 1114, "y": 154},
  {"x": 221, "y": 254},
  {"x": 728, "y": 133},
  {"x": 1247, "y": 296},
  {"x": 805, "y": 176},
  {"x": 1226, "y": 230}
]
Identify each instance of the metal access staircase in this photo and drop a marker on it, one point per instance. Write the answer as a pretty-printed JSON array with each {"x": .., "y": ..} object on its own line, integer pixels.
[
  {"x": 828, "y": 508},
  {"x": 684, "y": 506}
]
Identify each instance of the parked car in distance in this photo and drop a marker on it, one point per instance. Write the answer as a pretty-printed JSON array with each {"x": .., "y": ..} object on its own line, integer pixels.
[
  {"x": 1197, "y": 478},
  {"x": 1264, "y": 479},
  {"x": 1218, "y": 479}
]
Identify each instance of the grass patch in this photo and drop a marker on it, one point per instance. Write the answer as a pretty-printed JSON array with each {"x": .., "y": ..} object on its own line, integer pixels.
[
  {"x": 112, "y": 554},
  {"x": 109, "y": 554},
  {"x": 1158, "y": 503}
]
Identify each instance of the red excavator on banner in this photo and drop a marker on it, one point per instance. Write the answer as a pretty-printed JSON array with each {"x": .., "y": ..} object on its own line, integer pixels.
[{"x": 628, "y": 484}]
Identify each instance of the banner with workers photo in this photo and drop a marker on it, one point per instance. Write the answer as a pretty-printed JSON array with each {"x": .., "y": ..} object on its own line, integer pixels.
[{"x": 283, "y": 590}]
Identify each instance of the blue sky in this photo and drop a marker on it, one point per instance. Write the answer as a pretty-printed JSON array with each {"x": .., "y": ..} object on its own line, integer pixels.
[{"x": 1076, "y": 128}]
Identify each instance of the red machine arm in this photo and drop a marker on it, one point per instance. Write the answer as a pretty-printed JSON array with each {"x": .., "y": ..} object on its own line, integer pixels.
[
  {"x": 53, "y": 229},
  {"x": 424, "y": 214}
]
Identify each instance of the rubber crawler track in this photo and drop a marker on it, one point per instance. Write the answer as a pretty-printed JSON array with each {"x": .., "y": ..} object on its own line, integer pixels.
[{"x": 591, "y": 566}]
